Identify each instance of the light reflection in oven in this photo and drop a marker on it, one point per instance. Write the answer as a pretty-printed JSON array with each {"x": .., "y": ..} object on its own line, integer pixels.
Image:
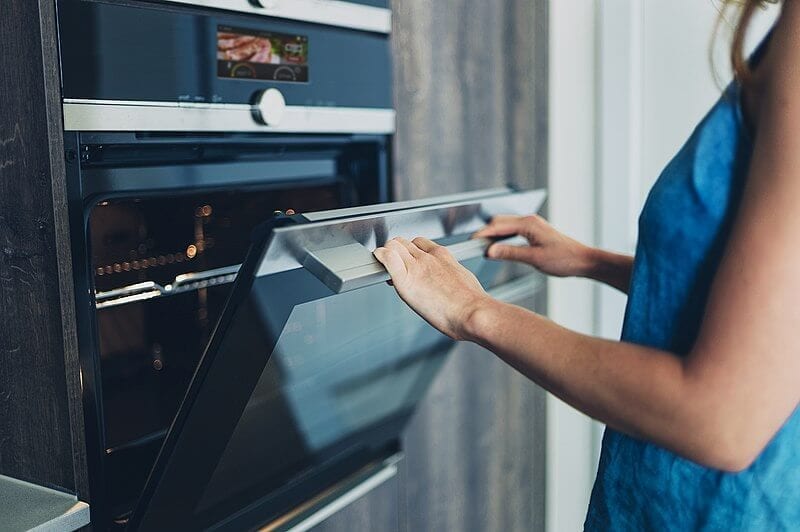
[{"x": 163, "y": 270}]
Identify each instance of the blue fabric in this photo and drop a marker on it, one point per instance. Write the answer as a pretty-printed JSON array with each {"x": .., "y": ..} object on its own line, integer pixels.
[{"x": 683, "y": 230}]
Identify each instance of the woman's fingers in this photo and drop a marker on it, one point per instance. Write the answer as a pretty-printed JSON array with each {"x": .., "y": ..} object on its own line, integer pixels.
[
  {"x": 413, "y": 250},
  {"x": 399, "y": 248},
  {"x": 392, "y": 261},
  {"x": 507, "y": 252},
  {"x": 424, "y": 244},
  {"x": 506, "y": 218},
  {"x": 502, "y": 226}
]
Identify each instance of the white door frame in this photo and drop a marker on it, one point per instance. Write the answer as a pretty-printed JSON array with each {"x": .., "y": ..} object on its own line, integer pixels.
[{"x": 595, "y": 123}]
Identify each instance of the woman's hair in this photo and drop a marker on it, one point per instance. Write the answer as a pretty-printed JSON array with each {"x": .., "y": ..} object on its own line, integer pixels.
[{"x": 743, "y": 13}]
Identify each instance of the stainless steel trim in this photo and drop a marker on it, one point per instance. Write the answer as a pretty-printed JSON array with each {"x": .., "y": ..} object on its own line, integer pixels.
[
  {"x": 129, "y": 115},
  {"x": 460, "y": 197},
  {"x": 310, "y": 515},
  {"x": 188, "y": 279},
  {"x": 291, "y": 245},
  {"x": 131, "y": 290},
  {"x": 144, "y": 296},
  {"x": 183, "y": 283},
  {"x": 347, "y": 498},
  {"x": 353, "y": 266},
  {"x": 328, "y": 12}
]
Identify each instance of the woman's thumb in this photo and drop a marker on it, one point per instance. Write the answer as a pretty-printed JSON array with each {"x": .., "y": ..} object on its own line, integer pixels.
[{"x": 507, "y": 252}]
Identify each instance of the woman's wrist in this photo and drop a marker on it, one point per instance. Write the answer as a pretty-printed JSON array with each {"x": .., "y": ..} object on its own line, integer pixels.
[
  {"x": 479, "y": 319},
  {"x": 589, "y": 259},
  {"x": 607, "y": 267}
]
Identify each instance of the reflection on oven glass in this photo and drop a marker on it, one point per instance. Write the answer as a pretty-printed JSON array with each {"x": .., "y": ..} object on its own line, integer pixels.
[
  {"x": 149, "y": 351},
  {"x": 149, "y": 348},
  {"x": 342, "y": 366},
  {"x": 157, "y": 239}
]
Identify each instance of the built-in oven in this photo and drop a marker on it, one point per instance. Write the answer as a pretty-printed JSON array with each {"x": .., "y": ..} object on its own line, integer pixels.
[{"x": 244, "y": 363}]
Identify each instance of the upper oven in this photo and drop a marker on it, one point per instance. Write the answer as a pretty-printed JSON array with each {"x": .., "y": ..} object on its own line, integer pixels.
[
  {"x": 280, "y": 66},
  {"x": 243, "y": 362}
]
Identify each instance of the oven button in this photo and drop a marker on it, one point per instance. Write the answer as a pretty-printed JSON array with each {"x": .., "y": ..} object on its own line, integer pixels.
[{"x": 270, "y": 107}]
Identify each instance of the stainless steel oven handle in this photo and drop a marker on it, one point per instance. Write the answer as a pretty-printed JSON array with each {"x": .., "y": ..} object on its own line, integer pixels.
[{"x": 353, "y": 266}]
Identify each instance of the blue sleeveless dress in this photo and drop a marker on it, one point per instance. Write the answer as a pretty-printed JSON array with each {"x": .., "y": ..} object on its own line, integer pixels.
[{"x": 683, "y": 231}]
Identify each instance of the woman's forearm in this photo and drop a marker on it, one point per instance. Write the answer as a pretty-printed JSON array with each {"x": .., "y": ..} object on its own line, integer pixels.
[
  {"x": 643, "y": 392},
  {"x": 613, "y": 269}
]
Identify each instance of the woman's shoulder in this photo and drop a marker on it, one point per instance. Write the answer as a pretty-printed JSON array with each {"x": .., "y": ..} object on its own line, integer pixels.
[{"x": 776, "y": 80}]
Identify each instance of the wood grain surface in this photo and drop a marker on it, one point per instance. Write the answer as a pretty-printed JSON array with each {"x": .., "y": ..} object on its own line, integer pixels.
[
  {"x": 471, "y": 96},
  {"x": 41, "y": 420}
]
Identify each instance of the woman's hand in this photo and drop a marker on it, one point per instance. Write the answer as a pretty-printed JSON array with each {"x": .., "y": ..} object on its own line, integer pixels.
[
  {"x": 549, "y": 251},
  {"x": 433, "y": 283}
]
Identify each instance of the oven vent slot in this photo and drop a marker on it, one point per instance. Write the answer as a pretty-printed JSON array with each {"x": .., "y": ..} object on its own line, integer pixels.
[{"x": 187, "y": 282}]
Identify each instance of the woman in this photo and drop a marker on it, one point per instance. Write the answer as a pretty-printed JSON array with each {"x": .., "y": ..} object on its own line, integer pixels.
[{"x": 700, "y": 397}]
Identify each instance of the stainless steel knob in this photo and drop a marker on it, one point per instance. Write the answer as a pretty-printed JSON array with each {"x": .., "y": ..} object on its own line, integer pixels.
[{"x": 270, "y": 107}]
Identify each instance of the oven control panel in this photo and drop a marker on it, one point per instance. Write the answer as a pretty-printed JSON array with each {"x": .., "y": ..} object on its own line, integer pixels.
[{"x": 180, "y": 66}]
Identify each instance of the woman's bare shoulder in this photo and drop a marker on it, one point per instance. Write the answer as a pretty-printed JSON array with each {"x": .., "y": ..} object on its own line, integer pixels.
[{"x": 782, "y": 70}]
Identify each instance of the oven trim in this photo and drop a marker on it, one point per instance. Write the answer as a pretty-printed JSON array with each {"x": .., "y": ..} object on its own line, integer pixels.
[
  {"x": 129, "y": 115},
  {"x": 330, "y": 12},
  {"x": 339, "y": 496}
]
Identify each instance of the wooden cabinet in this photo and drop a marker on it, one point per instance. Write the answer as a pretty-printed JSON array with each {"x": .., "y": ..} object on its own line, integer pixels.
[
  {"x": 471, "y": 97},
  {"x": 41, "y": 418}
]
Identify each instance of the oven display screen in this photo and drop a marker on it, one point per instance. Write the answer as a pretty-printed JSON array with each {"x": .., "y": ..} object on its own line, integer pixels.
[{"x": 261, "y": 55}]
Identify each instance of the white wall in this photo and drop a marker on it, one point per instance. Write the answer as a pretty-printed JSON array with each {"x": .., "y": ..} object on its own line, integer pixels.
[
  {"x": 656, "y": 81},
  {"x": 678, "y": 83},
  {"x": 570, "y": 463}
]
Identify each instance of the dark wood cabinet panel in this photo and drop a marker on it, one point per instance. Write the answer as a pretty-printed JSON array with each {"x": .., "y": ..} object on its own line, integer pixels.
[{"x": 41, "y": 420}]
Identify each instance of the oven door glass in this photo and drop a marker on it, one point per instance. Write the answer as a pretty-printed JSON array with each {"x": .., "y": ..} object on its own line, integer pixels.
[{"x": 316, "y": 365}]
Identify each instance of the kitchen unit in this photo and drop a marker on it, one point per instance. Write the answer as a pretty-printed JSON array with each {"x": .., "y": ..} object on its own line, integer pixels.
[{"x": 194, "y": 282}]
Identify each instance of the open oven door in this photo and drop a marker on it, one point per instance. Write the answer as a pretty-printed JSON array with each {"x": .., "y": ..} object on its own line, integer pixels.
[{"x": 315, "y": 367}]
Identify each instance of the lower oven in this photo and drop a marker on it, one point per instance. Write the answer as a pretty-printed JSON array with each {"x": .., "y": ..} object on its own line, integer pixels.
[
  {"x": 161, "y": 224},
  {"x": 243, "y": 361}
]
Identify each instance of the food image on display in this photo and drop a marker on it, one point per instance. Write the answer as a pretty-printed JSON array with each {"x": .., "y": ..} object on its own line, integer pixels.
[{"x": 261, "y": 55}]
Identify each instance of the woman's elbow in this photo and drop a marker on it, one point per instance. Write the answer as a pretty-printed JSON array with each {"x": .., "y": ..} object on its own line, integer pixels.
[
  {"x": 731, "y": 449},
  {"x": 732, "y": 460},
  {"x": 729, "y": 431}
]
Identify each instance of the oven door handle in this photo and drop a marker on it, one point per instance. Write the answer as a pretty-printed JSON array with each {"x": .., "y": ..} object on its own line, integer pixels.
[{"x": 353, "y": 266}]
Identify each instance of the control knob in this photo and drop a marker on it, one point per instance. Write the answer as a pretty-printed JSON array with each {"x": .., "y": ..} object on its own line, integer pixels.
[{"x": 270, "y": 107}]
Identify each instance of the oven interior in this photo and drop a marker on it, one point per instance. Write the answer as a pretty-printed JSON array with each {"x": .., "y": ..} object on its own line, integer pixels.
[{"x": 162, "y": 263}]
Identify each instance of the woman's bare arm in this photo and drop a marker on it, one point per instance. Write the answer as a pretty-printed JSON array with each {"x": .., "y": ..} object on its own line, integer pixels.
[
  {"x": 613, "y": 269},
  {"x": 722, "y": 403},
  {"x": 554, "y": 253}
]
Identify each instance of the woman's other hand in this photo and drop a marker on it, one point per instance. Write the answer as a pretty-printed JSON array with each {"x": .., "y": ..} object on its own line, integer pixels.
[
  {"x": 549, "y": 250},
  {"x": 433, "y": 283}
]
